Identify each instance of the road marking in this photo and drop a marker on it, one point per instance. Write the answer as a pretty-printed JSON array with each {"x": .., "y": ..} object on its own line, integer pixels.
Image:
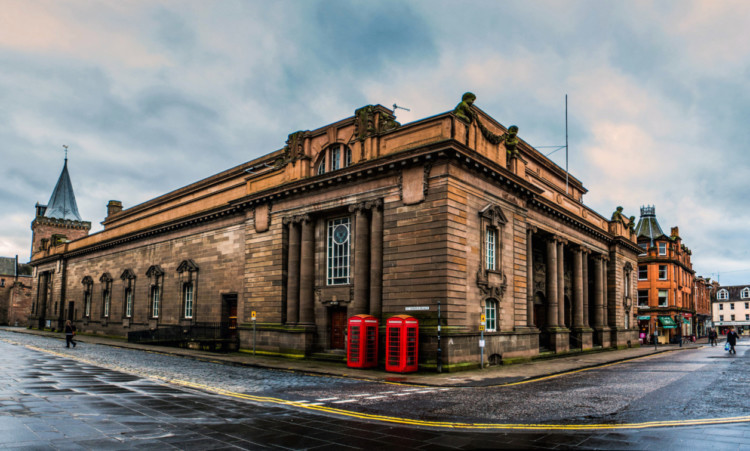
[
  {"x": 360, "y": 395},
  {"x": 327, "y": 399},
  {"x": 416, "y": 422},
  {"x": 344, "y": 401},
  {"x": 376, "y": 397}
]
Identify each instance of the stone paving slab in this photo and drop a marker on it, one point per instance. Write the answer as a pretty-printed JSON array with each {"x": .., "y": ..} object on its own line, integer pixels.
[{"x": 490, "y": 376}]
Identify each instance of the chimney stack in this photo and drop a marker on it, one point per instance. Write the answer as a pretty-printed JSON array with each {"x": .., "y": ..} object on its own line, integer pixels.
[{"x": 113, "y": 206}]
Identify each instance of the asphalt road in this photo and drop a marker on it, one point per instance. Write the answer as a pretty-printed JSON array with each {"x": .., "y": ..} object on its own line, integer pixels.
[{"x": 104, "y": 397}]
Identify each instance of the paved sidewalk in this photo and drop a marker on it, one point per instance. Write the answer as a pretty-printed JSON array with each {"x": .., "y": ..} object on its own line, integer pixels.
[{"x": 494, "y": 375}]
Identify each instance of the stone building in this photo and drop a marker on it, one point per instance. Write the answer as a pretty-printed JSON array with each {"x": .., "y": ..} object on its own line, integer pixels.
[
  {"x": 666, "y": 280},
  {"x": 364, "y": 215},
  {"x": 15, "y": 292},
  {"x": 702, "y": 293}
]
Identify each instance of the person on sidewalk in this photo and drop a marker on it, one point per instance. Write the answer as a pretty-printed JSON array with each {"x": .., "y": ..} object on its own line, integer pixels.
[
  {"x": 70, "y": 331},
  {"x": 732, "y": 338},
  {"x": 712, "y": 337}
]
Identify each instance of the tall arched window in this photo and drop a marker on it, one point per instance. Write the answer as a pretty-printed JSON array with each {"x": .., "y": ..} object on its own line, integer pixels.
[
  {"x": 128, "y": 278},
  {"x": 106, "y": 281},
  {"x": 333, "y": 158},
  {"x": 88, "y": 284}
]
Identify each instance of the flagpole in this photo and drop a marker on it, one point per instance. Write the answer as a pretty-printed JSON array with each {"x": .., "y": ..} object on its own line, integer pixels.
[{"x": 566, "y": 144}]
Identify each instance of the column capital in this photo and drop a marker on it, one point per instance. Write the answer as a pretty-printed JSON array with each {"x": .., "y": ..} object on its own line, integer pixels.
[
  {"x": 531, "y": 229},
  {"x": 359, "y": 207},
  {"x": 373, "y": 204}
]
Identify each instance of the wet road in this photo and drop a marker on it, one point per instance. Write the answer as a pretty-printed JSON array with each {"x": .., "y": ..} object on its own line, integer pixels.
[{"x": 103, "y": 397}]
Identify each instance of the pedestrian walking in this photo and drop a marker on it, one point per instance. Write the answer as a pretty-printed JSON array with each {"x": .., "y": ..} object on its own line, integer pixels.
[
  {"x": 732, "y": 338},
  {"x": 70, "y": 331},
  {"x": 712, "y": 337}
]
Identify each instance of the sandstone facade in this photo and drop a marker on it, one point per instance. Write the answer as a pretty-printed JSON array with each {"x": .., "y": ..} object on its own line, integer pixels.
[{"x": 364, "y": 216}]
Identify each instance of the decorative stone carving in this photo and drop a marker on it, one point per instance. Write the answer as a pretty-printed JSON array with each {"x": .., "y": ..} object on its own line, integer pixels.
[
  {"x": 617, "y": 215},
  {"x": 294, "y": 149},
  {"x": 187, "y": 265},
  {"x": 492, "y": 288},
  {"x": 463, "y": 110},
  {"x": 365, "y": 124}
]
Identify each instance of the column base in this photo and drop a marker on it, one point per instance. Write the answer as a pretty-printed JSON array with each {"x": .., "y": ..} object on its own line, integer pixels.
[
  {"x": 603, "y": 336},
  {"x": 584, "y": 337},
  {"x": 559, "y": 339},
  {"x": 624, "y": 338}
]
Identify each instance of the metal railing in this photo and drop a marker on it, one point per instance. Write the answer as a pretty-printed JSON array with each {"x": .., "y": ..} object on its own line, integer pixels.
[{"x": 211, "y": 336}]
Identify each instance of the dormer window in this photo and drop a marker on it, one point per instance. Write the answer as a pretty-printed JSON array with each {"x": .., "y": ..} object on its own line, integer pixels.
[
  {"x": 722, "y": 294},
  {"x": 745, "y": 293},
  {"x": 335, "y": 157}
]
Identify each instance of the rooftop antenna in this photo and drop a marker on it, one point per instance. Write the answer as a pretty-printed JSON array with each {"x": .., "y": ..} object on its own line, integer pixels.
[
  {"x": 396, "y": 107},
  {"x": 66, "y": 152}
]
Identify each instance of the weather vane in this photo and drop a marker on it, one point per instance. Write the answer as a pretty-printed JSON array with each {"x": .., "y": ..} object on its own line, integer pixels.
[{"x": 66, "y": 152}]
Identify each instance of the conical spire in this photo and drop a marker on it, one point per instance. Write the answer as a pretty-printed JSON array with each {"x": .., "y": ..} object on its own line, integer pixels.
[
  {"x": 648, "y": 226},
  {"x": 62, "y": 203}
]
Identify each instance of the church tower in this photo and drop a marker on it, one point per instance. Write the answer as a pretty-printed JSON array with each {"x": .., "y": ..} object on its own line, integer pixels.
[{"x": 58, "y": 221}]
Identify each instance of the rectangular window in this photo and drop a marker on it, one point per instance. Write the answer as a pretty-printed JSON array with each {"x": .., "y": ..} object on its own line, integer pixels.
[
  {"x": 643, "y": 298},
  {"x": 106, "y": 303},
  {"x": 721, "y": 317},
  {"x": 747, "y": 304},
  {"x": 347, "y": 156},
  {"x": 335, "y": 158},
  {"x": 128, "y": 303},
  {"x": 87, "y": 303},
  {"x": 490, "y": 313},
  {"x": 155, "y": 302},
  {"x": 747, "y": 317},
  {"x": 662, "y": 248},
  {"x": 337, "y": 260},
  {"x": 2, "y": 282},
  {"x": 663, "y": 296},
  {"x": 642, "y": 272},
  {"x": 187, "y": 292},
  {"x": 732, "y": 317},
  {"x": 662, "y": 272},
  {"x": 721, "y": 306},
  {"x": 731, "y": 306},
  {"x": 490, "y": 240}
]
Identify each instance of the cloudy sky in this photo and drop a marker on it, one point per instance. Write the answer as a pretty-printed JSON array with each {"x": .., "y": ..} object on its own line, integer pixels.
[{"x": 153, "y": 95}]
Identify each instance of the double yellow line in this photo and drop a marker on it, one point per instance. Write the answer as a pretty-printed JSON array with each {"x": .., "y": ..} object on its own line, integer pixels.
[{"x": 415, "y": 422}]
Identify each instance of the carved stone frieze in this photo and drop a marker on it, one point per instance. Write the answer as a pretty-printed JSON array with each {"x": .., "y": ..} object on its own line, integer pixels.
[
  {"x": 492, "y": 285},
  {"x": 365, "y": 124}
]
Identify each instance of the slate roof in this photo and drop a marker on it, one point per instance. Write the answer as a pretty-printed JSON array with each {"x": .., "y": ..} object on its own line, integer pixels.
[
  {"x": 62, "y": 203},
  {"x": 648, "y": 226},
  {"x": 734, "y": 292},
  {"x": 8, "y": 267}
]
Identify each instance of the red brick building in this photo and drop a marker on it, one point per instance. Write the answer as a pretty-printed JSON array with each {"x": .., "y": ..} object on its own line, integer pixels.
[
  {"x": 666, "y": 281},
  {"x": 364, "y": 215}
]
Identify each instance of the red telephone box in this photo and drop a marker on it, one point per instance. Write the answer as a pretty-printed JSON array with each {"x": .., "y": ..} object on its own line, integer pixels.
[
  {"x": 402, "y": 333},
  {"x": 362, "y": 349}
]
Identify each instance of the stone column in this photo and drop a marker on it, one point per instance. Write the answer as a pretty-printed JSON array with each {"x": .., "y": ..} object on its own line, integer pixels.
[
  {"x": 293, "y": 274},
  {"x": 361, "y": 260},
  {"x": 530, "y": 277},
  {"x": 605, "y": 294},
  {"x": 307, "y": 267},
  {"x": 561, "y": 284},
  {"x": 376, "y": 260},
  {"x": 551, "y": 282},
  {"x": 598, "y": 291},
  {"x": 585, "y": 264},
  {"x": 577, "y": 287}
]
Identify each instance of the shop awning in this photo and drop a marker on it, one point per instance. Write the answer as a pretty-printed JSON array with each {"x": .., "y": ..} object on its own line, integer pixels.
[
  {"x": 667, "y": 322},
  {"x": 646, "y": 317}
]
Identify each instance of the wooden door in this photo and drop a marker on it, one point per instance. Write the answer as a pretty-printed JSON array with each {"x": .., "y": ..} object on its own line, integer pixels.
[{"x": 338, "y": 327}]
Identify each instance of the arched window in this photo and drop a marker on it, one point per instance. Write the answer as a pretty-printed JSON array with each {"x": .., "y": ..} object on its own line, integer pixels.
[
  {"x": 333, "y": 158},
  {"x": 156, "y": 279},
  {"x": 106, "y": 281},
  {"x": 128, "y": 278},
  {"x": 722, "y": 294},
  {"x": 88, "y": 283},
  {"x": 490, "y": 314},
  {"x": 745, "y": 293}
]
